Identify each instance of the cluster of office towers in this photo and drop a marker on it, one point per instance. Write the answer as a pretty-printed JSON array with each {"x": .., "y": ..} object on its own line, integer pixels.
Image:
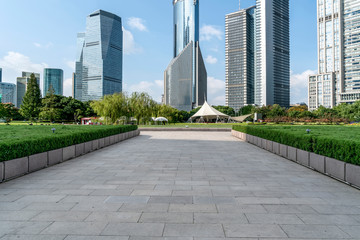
[
  {"x": 14, "y": 93},
  {"x": 257, "y": 55},
  {"x": 338, "y": 78}
]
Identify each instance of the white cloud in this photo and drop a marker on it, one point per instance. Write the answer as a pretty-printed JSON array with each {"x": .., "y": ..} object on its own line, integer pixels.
[
  {"x": 219, "y": 100},
  {"x": 39, "y": 45},
  {"x": 215, "y": 85},
  {"x": 208, "y": 32},
  {"x": 14, "y": 63},
  {"x": 71, "y": 64},
  {"x": 68, "y": 87},
  {"x": 155, "y": 89},
  {"x": 299, "y": 86},
  {"x": 211, "y": 60},
  {"x": 130, "y": 47},
  {"x": 216, "y": 91},
  {"x": 137, "y": 23}
]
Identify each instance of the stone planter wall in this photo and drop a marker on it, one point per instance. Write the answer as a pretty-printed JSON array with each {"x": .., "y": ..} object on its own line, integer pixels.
[
  {"x": 21, "y": 166},
  {"x": 345, "y": 172}
]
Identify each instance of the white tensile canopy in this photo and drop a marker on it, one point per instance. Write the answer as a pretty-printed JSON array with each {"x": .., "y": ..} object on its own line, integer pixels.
[{"x": 207, "y": 113}]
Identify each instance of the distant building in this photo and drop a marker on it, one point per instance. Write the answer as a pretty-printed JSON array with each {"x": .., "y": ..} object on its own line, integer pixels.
[
  {"x": 8, "y": 93},
  {"x": 21, "y": 86},
  {"x": 240, "y": 58},
  {"x": 257, "y": 62},
  {"x": 99, "y": 59},
  {"x": 0, "y": 74},
  {"x": 53, "y": 78},
  {"x": 338, "y": 78},
  {"x": 185, "y": 79},
  {"x": 73, "y": 85}
]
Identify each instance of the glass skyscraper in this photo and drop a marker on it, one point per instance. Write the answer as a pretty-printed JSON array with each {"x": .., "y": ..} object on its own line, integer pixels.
[
  {"x": 8, "y": 93},
  {"x": 53, "y": 78},
  {"x": 0, "y": 74},
  {"x": 258, "y": 55},
  {"x": 185, "y": 79},
  {"x": 240, "y": 58},
  {"x": 338, "y": 80},
  {"x": 272, "y": 53},
  {"x": 99, "y": 57},
  {"x": 21, "y": 86}
]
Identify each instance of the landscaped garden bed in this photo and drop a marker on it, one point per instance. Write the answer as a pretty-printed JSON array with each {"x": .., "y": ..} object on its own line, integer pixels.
[
  {"x": 339, "y": 142},
  {"x": 23, "y": 141}
]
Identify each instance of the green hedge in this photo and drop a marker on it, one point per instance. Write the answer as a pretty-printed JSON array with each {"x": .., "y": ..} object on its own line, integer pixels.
[
  {"x": 339, "y": 142},
  {"x": 43, "y": 140}
]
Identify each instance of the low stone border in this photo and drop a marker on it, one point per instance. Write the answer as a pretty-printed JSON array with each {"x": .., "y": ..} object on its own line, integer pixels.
[
  {"x": 160, "y": 129},
  {"x": 342, "y": 171},
  {"x": 18, "y": 167}
]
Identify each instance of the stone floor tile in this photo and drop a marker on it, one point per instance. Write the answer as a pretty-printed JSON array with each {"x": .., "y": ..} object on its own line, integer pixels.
[
  {"x": 155, "y": 207},
  {"x": 253, "y": 231},
  {"x": 75, "y": 228},
  {"x": 126, "y": 217},
  {"x": 33, "y": 237},
  {"x": 167, "y": 218},
  {"x": 60, "y": 216},
  {"x": 134, "y": 229},
  {"x": 220, "y": 218},
  {"x": 196, "y": 208},
  {"x": 193, "y": 230},
  {"x": 271, "y": 218},
  {"x": 314, "y": 231}
]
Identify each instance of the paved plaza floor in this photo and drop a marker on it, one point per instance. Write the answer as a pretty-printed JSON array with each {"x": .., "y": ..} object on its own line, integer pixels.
[{"x": 178, "y": 186}]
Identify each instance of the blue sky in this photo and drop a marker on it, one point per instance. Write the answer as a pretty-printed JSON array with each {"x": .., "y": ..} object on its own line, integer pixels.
[{"x": 42, "y": 33}]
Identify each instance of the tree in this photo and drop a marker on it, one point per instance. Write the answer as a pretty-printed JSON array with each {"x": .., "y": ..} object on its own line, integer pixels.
[
  {"x": 225, "y": 109},
  {"x": 246, "y": 110},
  {"x": 51, "y": 108},
  {"x": 31, "y": 105}
]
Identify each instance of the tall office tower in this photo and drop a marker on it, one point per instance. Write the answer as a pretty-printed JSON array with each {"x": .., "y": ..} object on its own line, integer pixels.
[
  {"x": 53, "y": 78},
  {"x": 21, "y": 86},
  {"x": 240, "y": 58},
  {"x": 0, "y": 74},
  {"x": 7, "y": 93},
  {"x": 99, "y": 57},
  {"x": 272, "y": 52},
  {"x": 185, "y": 79},
  {"x": 338, "y": 78}
]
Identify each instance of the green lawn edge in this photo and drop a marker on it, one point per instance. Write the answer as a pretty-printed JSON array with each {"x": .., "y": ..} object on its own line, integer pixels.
[
  {"x": 15, "y": 147},
  {"x": 338, "y": 142}
]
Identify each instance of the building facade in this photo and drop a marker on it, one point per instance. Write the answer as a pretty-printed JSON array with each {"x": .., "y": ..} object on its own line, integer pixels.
[
  {"x": 0, "y": 74},
  {"x": 185, "y": 79},
  {"x": 53, "y": 79},
  {"x": 338, "y": 78},
  {"x": 7, "y": 93},
  {"x": 258, "y": 55},
  {"x": 240, "y": 58},
  {"x": 99, "y": 59},
  {"x": 272, "y": 53},
  {"x": 21, "y": 86}
]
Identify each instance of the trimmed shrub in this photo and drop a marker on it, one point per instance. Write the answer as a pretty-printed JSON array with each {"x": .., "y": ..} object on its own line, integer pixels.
[
  {"x": 69, "y": 135},
  {"x": 337, "y": 142}
]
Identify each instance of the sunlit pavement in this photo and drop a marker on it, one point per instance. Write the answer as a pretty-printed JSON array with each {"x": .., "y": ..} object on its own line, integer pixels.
[{"x": 178, "y": 185}]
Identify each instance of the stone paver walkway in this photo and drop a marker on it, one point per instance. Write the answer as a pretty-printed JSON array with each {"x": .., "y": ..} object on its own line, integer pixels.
[{"x": 178, "y": 185}]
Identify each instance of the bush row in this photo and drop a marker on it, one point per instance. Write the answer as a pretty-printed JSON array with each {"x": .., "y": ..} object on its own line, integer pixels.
[
  {"x": 28, "y": 146},
  {"x": 343, "y": 149}
]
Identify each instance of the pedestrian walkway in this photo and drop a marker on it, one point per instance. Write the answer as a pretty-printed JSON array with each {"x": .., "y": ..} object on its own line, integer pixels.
[{"x": 178, "y": 186}]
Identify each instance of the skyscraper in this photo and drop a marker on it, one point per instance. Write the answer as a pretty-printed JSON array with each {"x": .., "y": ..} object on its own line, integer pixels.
[
  {"x": 7, "y": 93},
  {"x": 21, "y": 86},
  {"x": 0, "y": 74},
  {"x": 99, "y": 57},
  {"x": 53, "y": 78},
  {"x": 185, "y": 79},
  {"x": 240, "y": 58},
  {"x": 338, "y": 78},
  {"x": 272, "y": 53},
  {"x": 258, "y": 55}
]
